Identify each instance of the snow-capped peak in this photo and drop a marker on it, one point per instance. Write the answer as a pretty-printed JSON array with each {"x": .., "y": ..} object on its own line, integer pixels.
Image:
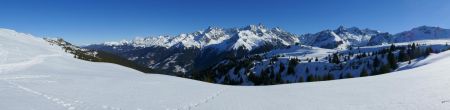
[
  {"x": 342, "y": 37},
  {"x": 113, "y": 43},
  {"x": 255, "y": 27},
  {"x": 248, "y": 38},
  {"x": 277, "y": 29}
]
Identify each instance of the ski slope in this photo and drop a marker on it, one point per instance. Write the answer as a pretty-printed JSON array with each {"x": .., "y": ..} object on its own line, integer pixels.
[{"x": 37, "y": 76}]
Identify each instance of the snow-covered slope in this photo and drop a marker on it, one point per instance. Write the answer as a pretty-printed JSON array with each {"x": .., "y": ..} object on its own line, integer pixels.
[
  {"x": 423, "y": 33},
  {"x": 35, "y": 75}
]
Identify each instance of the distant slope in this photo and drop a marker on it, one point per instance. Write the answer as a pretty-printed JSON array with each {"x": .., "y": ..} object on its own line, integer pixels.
[
  {"x": 422, "y": 33},
  {"x": 97, "y": 55}
]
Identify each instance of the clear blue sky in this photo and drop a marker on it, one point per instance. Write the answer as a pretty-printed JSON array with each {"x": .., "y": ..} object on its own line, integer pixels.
[{"x": 95, "y": 21}]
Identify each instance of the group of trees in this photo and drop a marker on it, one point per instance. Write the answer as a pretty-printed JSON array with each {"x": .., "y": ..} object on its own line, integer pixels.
[
  {"x": 396, "y": 54},
  {"x": 334, "y": 58},
  {"x": 347, "y": 65}
]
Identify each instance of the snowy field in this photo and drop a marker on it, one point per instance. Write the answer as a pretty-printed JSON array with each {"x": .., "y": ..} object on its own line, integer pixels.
[{"x": 37, "y": 76}]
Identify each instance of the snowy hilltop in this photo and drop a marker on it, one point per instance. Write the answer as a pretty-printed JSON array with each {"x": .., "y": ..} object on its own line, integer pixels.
[{"x": 34, "y": 74}]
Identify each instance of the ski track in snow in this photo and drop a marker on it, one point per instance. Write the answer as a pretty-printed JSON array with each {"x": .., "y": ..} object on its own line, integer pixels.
[
  {"x": 10, "y": 67},
  {"x": 16, "y": 77},
  {"x": 69, "y": 104},
  {"x": 65, "y": 104},
  {"x": 203, "y": 101}
]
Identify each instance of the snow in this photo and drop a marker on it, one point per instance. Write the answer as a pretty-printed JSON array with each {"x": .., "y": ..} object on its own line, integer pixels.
[
  {"x": 423, "y": 33},
  {"x": 301, "y": 52},
  {"x": 430, "y": 59},
  {"x": 35, "y": 75},
  {"x": 343, "y": 37},
  {"x": 220, "y": 39}
]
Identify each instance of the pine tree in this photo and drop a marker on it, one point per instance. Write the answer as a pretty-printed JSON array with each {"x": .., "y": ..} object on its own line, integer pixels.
[
  {"x": 226, "y": 80},
  {"x": 376, "y": 62},
  {"x": 335, "y": 59},
  {"x": 264, "y": 77},
  {"x": 428, "y": 51},
  {"x": 328, "y": 76},
  {"x": 307, "y": 70},
  {"x": 281, "y": 68},
  {"x": 278, "y": 78},
  {"x": 310, "y": 78},
  {"x": 329, "y": 59},
  {"x": 385, "y": 69},
  {"x": 349, "y": 75},
  {"x": 300, "y": 79},
  {"x": 363, "y": 73},
  {"x": 402, "y": 56},
  {"x": 292, "y": 65},
  {"x": 392, "y": 48},
  {"x": 392, "y": 61}
]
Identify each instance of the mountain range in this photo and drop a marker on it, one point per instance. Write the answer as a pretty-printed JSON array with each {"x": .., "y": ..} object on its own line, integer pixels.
[{"x": 197, "y": 51}]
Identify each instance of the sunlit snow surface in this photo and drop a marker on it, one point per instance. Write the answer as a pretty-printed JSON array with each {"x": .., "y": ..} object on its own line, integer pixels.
[{"x": 37, "y": 76}]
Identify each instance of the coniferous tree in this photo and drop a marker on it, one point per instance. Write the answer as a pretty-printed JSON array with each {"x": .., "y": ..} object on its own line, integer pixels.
[
  {"x": 226, "y": 80},
  {"x": 310, "y": 78},
  {"x": 328, "y": 76},
  {"x": 428, "y": 51},
  {"x": 335, "y": 59},
  {"x": 264, "y": 77},
  {"x": 363, "y": 73},
  {"x": 253, "y": 78},
  {"x": 291, "y": 65},
  {"x": 385, "y": 69},
  {"x": 281, "y": 68},
  {"x": 349, "y": 75},
  {"x": 392, "y": 60},
  {"x": 278, "y": 78},
  {"x": 392, "y": 48},
  {"x": 376, "y": 62},
  {"x": 307, "y": 70},
  {"x": 329, "y": 59},
  {"x": 300, "y": 79},
  {"x": 402, "y": 56}
]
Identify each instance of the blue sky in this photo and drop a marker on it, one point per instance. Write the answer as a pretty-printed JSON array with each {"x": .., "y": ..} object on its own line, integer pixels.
[{"x": 95, "y": 21}]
